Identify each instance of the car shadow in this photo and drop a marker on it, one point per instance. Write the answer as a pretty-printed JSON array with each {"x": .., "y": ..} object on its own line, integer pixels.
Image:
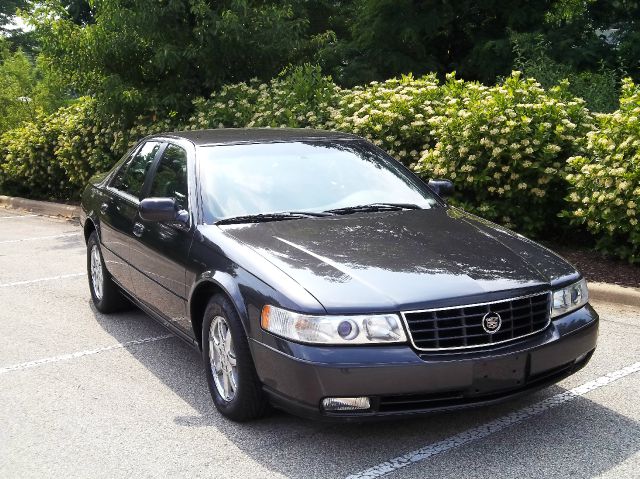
[{"x": 580, "y": 438}]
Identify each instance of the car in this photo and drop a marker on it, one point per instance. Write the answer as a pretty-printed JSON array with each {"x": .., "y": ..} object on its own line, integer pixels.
[{"x": 317, "y": 274}]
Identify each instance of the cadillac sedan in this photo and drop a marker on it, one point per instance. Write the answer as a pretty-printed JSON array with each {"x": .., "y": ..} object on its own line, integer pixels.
[{"x": 317, "y": 274}]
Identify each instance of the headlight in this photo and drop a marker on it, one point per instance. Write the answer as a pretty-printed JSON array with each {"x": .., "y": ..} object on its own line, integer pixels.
[
  {"x": 360, "y": 329},
  {"x": 570, "y": 298}
]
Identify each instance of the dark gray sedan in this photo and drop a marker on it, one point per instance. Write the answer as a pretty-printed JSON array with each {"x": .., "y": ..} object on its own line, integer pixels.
[{"x": 317, "y": 274}]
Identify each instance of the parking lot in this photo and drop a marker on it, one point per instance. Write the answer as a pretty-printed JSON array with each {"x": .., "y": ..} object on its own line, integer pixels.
[{"x": 88, "y": 395}]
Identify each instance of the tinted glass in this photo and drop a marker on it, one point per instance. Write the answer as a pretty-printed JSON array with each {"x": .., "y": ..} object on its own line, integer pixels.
[
  {"x": 131, "y": 176},
  {"x": 171, "y": 177},
  {"x": 302, "y": 176}
]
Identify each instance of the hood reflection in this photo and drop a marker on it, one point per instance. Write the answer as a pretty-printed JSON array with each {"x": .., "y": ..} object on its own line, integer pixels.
[{"x": 400, "y": 257}]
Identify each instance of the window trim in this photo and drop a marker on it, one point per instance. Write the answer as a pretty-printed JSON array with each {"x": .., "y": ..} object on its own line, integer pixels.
[
  {"x": 151, "y": 175},
  {"x": 135, "y": 151},
  {"x": 193, "y": 203}
]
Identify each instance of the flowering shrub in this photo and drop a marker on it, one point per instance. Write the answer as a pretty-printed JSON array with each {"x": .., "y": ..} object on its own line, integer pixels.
[
  {"x": 506, "y": 148},
  {"x": 393, "y": 115},
  {"x": 298, "y": 98},
  {"x": 27, "y": 168},
  {"x": 54, "y": 156},
  {"x": 605, "y": 180}
]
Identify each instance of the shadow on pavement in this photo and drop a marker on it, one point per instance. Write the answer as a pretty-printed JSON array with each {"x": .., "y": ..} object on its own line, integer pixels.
[{"x": 579, "y": 439}]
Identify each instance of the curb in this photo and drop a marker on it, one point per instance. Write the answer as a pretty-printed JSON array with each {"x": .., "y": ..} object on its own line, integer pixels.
[
  {"x": 46, "y": 208},
  {"x": 612, "y": 293}
]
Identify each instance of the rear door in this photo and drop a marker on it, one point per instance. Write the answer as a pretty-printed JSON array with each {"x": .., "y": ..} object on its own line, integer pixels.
[
  {"x": 119, "y": 210},
  {"x": 160, "y": 250}
]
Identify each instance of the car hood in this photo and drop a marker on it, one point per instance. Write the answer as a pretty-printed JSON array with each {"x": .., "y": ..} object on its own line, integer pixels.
[{"x": 403, "y": 259}]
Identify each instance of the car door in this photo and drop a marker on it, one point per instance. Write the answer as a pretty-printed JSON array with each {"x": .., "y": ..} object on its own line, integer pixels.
[
  {"x": 119, "y": 210},
  {"x": 160, "y": 250}
]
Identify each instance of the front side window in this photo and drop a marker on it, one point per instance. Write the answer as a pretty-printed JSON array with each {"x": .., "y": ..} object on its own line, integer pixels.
[
  {"x": 170, "y": 180},
  {"x": 310, "y": 176},
  {"x": 130, "y": 177}
]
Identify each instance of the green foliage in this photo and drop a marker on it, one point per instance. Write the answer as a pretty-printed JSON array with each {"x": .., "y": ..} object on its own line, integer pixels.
[
  {"x": 598, "y": 88},
  {"x": 605, "y": 180},
  {"x": 17, "y": 81},
  {"x": 8, "y": 10},
  {"x": 26, "y": 88},
  {"x": 392, "y": 37},
  {"x": 506, "y": 147},
  {"x": 53, "y": 156},
  {"x": 393, "y": 114},
  {"x": 299, "y": 97},
  {"x": 137, "y": 54}
]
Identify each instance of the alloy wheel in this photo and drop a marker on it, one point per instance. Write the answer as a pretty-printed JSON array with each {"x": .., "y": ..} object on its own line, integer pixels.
[
  {"x": 96, "y": 272},
  {"x": 222, "y": 358}
]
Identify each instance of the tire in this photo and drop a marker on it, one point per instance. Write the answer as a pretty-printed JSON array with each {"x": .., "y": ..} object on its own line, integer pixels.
[
  {"x": 106, "y": 296},
  {"x": 243, "y": 399}
]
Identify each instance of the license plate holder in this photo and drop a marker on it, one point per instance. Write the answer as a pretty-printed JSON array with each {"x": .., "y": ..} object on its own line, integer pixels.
[{"x": 492, "y": 375}]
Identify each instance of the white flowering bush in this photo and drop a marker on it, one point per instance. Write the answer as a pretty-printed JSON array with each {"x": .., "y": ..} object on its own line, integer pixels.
[
  {"x": 231, "y": 107},
  {"x": 506, "y": 147},
  {"x": 605, "y": 180},
  {"x": 54, "y": 156},
  {"x": 298, "y": 98},
  {"x": 393, "y": 114},
  {"x": 513, "y": 149}
]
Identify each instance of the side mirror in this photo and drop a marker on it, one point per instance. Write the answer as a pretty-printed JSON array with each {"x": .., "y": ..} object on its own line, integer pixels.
[
  {"x": 162, "y": 210},
  {"x": 443, "y": 188}
]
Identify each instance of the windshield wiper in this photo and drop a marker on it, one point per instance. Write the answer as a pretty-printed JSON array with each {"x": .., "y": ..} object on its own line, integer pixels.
[
  {"x": 314, "y": 214},
  {"x": 263, "y": 217},
  {"x": 259, "y": 218},
  {"x": 374, "y": 207}
]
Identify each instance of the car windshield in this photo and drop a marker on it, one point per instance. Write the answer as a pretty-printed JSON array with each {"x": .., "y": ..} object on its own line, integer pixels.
[{"x": 303, "y": 176}]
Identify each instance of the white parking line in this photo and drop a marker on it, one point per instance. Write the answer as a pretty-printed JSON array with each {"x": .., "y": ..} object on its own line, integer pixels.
[
  {"x": 50, "y": 278},
  {"x": 78, "y": 354},
  {"x": 39, "y": 238},
  {"x": 16, "y": 216},
  {"x": 492, "y": 427}
]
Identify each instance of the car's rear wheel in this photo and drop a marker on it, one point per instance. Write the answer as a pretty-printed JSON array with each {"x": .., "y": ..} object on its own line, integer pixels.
[
  {"x": 106, "y": 296},
  {"x": 231, "y": 375}
]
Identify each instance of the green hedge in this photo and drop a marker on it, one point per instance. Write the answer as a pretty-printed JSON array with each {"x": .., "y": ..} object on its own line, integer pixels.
[
  {"x": 54, "y": 156},
  {"x": 506, "y": 148},
  {"x": 513, "y": 149},
  {"x": 605, "y": 180}
]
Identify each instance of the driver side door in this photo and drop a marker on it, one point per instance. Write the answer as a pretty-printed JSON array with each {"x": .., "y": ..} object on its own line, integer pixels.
[{"x": 159, "y": 250}]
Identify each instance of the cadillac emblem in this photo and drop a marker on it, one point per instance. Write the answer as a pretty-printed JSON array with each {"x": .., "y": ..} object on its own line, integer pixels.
[{"x": 491, "y": 322}]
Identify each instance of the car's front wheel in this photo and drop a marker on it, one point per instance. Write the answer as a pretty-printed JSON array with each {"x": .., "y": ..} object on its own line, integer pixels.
[
  {"x": 233, "y": 381},
  {"x": 105, "y": 294}
]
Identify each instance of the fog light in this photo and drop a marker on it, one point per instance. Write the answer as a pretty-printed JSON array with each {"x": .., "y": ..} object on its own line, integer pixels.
[{"x": 346, "y": 404}]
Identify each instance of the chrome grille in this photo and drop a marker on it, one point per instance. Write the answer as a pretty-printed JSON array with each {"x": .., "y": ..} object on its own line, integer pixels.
[{"x": 461, "y": 326}]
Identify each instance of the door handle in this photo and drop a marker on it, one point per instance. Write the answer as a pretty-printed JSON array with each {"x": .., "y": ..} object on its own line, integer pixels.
[
  {"x": 138, "y": 229},
  {"x": 104, "y": 207}
]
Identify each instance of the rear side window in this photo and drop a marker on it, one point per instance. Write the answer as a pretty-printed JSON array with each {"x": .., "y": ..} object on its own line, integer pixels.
[
  {"x": 171, "y": 176},
  {"x": 130, "y": 177}
]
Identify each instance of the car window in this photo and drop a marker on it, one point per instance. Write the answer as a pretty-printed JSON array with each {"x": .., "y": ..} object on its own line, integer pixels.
[
  {"x": 130, "y": 177},
  {"x": 311, "y": 176},
  {"x": 170, "y": 180}
]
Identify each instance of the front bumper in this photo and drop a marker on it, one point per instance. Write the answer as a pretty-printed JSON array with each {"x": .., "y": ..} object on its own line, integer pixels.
[{"x": 400, "y": 380}]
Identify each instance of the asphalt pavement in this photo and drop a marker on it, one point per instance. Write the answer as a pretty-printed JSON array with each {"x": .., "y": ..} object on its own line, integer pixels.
[{"x": 88, "y": 395}]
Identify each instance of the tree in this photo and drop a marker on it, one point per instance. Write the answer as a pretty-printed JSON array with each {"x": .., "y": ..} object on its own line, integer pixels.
[
  {"x": 135, "y": 53},
  {"x": 389, "y": 37},
  {"x": 8, "y": 10},
  {"x": 27, "y": 87},
  {"x": 17, "y": 81}
]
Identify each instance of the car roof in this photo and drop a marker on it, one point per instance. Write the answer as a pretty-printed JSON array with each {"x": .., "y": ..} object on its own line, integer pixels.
[{"x": 222, "y": 136}]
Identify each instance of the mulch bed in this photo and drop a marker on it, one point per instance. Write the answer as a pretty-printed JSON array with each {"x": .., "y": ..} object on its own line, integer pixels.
[{"x": 597, "y": 267}]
